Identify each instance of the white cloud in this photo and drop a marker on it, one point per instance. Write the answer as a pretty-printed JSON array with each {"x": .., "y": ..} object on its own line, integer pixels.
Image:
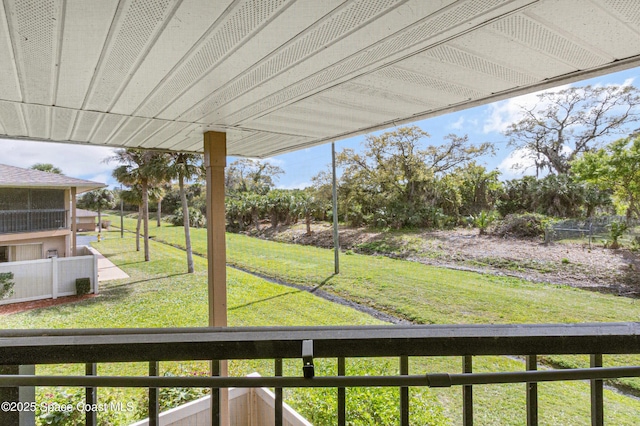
[
  {"x": 274, "y": 161},
  {"x": 297, "y": 185},
  {"x": 517, "y": 164},
  {"x": 457, "y": 124},
  {"x": 79, "y": 161},
  {"x": 503, "y": 113}
]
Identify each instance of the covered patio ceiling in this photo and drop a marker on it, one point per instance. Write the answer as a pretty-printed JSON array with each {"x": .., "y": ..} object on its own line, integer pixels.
[{"x": 280, "y": 75}]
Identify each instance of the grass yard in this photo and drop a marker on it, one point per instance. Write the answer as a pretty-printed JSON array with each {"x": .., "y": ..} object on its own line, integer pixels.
[
  {"x": 158, "y": 294},
  {"x": 422, "y": 293}
]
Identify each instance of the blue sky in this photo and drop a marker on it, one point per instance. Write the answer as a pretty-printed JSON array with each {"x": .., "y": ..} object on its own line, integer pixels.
[{"x": 481, "y": 124}]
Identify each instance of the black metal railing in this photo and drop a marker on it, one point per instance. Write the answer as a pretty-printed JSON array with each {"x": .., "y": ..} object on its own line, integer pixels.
[
  {"x": 309, "y": 343},
  {"x": 14, "y": 221}
]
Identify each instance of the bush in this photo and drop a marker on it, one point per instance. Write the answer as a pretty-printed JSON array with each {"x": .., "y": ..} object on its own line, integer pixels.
[
  {"x": 169, "y": 398},
  {"x": 55, "y": 412},
  {"x": 616, "y": 230},
  {"x": 196, "y": 218},
  {"x": 83, "y": 286},
  {"x": 6, "y": 284},
  {"x": 528, "y": 225},
  {"x": 483, "y": 220}
]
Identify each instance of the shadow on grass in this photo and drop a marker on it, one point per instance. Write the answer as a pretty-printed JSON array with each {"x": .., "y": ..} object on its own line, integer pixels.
[
  {"x": 266, "y": 299},
  {"x": 131, "y": 283},
  {"x": 322, "y": 283}
]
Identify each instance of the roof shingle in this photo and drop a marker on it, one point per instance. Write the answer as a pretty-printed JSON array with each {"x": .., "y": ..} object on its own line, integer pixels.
[{"x": 16, "y": 177}]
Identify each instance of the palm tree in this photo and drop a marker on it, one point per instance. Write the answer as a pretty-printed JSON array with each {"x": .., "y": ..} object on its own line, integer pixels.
[
  {"x": 99, "y": 199},
  {"x": 162, "y": 190},
  {"x": 134, "y": 196},
  {"x": 139, "y": 167},
  {"x": 184, "y": 167},
  {"x": 46, "y": 167}
]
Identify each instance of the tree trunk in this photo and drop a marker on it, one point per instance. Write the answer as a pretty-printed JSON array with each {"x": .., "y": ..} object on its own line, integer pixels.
[
  {"x": 99, "y": 222},
  {"x": 159, "y": 212},
  {"x": 145, "y": 218},
  {"x": 138, "y": 228},
  {"x": 187, "y": 233},
  {"x": 256, "y": 220},
  {"x": 308, "y": 221}
]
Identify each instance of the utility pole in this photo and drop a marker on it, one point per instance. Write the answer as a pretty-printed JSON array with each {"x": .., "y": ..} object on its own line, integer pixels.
[
  {"x": 336, "y": 241},
  {"x": 121, "y": 214}
]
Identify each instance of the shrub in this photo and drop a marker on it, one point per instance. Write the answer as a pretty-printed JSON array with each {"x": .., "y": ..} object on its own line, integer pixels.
[
  {"x": 483, "y": 220},
  {"x": 55, "y": 412},
  {"x": 526, "y": 225},
  {"x": 196, "y": 218},
  {"x": 169, "y": 398},
  {"x": 83, "y": 286},
  {"x": 6, "y": 284},
  {"x": 616, "y": 229}
]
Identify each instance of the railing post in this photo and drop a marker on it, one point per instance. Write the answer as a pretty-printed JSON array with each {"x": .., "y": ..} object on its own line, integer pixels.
[
  {"x": 91, "y": 396},
  {"x": 278, "y": 392},
  {"x": 404, "y": 392},
  {"x": 27, "y": 394},
  {"x": 215, "y": 395},
  {"x": 467, "y": 393},
  {"x": 154, "y": 402},
  {"x": 532, "y": 393},
  {"x": 342, "y": 395},
  {"x": 597, "y": 394}
]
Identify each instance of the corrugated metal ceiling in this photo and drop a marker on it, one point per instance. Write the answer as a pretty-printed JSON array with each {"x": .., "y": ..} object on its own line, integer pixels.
[{"x": 279, "y": 75}]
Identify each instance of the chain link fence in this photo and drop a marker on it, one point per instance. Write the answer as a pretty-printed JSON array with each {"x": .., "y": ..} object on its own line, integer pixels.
[{"x": 595, "y": 230}]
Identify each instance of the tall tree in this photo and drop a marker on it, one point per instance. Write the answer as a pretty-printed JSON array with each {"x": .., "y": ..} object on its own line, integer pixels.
[
  {"x": 250, "y": 175},
  {"x": 46, "y": 167},
  {"x": 139, "y": 167},
  {"x": 615, "y": 167},
  {"x": 572, "y": 121},
  {"x": 185, "y": 167},
  {"x": 98, "y": 199},
  {"x": 133, "y": 196},
  {"x": 393, "y": 180}
]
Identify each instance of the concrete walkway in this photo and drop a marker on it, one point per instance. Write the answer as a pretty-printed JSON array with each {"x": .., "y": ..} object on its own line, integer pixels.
[{"x": 106, "y": 269}]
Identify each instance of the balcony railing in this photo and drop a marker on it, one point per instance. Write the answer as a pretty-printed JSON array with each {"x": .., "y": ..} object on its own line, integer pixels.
[
  {"x": 92, "y": 346},
  {"x": 13, "y": 221}
]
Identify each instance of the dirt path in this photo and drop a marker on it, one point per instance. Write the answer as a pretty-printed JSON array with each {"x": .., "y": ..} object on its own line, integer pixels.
[{"x": 575, "y": 264}]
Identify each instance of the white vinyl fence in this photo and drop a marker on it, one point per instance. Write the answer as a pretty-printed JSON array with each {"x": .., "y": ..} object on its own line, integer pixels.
[
  {"x": 50, "y": 278},
  {"x": 247, "y": 406}
]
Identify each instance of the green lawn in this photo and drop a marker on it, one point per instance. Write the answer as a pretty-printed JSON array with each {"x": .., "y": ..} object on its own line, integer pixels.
[{"x": 159, "y": 294}]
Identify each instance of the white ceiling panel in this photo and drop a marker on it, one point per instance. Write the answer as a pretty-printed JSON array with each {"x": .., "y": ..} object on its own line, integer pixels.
[
  {"x": 35, "y": 33},
  {"x": 37, "y": 119},
  {"x": 9, "y": 83},
  {"x": 12, "y": 119},
  {"x": 280, "y": 75},
  {"x": 187, "y": 26},
  {"x": 86, "y": 27}
]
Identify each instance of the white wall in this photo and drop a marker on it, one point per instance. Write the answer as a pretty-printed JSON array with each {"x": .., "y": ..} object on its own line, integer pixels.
[{"x": 49, "y": 278}]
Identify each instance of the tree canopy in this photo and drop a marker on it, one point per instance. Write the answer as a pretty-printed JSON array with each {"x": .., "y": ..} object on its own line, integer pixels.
[
  {"x": 572, "y": 121},
  {"x": 395, "y": 181},
  {"x": 615, "y": 167},
  {"x": 46, "y": 167}
]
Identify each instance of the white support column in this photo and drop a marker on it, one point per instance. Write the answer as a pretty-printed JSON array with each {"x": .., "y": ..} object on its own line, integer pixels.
[{"x": 215, "y": 159}]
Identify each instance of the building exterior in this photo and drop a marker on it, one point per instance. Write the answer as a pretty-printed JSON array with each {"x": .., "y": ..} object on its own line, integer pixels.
[
  {"x": 37, "y": 210},
  {"x": 86, "y": 220}
]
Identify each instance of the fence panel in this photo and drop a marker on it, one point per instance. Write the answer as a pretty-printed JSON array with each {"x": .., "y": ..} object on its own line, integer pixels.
[
  {"x": 32, "y": 280},
  {"x": 70, "y": 268},
  {"x": 596, "y": 229}
]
